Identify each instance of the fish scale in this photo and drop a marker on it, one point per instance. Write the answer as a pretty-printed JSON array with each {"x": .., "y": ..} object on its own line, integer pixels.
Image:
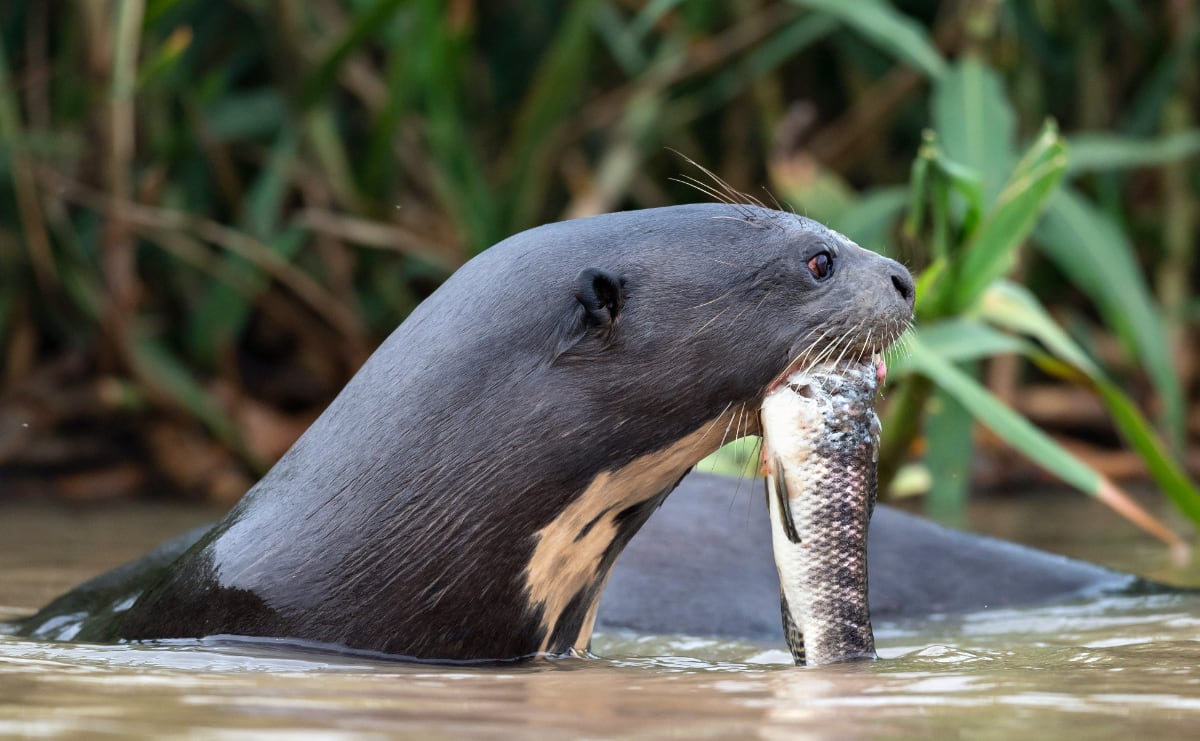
[{"x": 821, "y": 443}]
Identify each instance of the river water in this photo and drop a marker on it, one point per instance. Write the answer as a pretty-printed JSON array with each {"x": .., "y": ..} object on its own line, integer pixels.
[{"x": 1118, "y": 667}]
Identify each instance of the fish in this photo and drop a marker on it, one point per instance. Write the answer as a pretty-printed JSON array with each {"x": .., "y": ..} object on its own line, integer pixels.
[{"x": 820, "y": 456}]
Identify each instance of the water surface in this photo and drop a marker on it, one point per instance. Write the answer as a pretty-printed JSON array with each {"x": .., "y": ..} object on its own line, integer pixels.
[{"x": 1125, "y": 667}]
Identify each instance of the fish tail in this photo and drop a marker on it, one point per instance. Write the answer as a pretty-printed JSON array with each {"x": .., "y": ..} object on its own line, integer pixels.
[{"x": 791, "y": 632}]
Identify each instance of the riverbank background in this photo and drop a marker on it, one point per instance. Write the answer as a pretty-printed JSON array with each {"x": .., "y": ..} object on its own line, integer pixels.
[{"x": 210, "y": 213}]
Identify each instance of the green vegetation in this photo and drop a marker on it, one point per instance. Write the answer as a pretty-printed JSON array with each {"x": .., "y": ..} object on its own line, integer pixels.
[{"x": 200, "y": 199}]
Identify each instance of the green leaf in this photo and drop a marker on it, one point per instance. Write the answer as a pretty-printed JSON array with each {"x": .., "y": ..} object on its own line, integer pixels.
[
  {"x": 1013, "y": 307},
  {"x": 620, "y": 38},
  {"x": 1033, "y": 443},
  {"x": 992, "y": 251},
  {"x": 1097, "y": 152},
  {"x": 956, "y": 340},
  {"x": 265, "y": 200},
  {"x": 964, "y": 181},
  {"x": 438, "y": 62},
  {"x": 216, "y": 320},
  {"x": 560, "y": 81},
  {"x": 918, "y": 185},
  {"x": 367, "y": 22},
  {"x": 1000, "y": 419},
  {"x": 1097, "y": 257},
  {"x": 886, "y": 27},
  {"x": 974, "y": 121},
  {"x": 1141, "y": 436},
  {"x": 246, "y": 115},
  {"x": 329, "y": 146},
  {"x": 160, "y": 61},
  {"x": 650, "y": 14},
  {"x": 949, "y": 449},
  {"x": 928, "y": 290},
  {"x": 718, "y": 91}
]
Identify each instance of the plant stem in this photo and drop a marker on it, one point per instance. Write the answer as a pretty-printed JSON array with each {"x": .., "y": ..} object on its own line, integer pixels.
[{"x": 901, "y": 427}]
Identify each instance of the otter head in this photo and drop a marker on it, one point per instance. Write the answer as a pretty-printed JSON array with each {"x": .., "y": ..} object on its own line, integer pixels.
[
  {"x": 704, "y": 307},
  {"x": 676, "y": 324}
]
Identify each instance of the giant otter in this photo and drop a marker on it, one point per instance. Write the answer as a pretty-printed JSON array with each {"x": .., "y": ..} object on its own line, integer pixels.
[
  {"x": 467, "y": 494},
  {"x": 702, "y": 566}
]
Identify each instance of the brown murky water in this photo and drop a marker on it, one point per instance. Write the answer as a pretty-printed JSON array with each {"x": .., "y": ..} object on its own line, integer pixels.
[{"x": 1113, "y": 668}]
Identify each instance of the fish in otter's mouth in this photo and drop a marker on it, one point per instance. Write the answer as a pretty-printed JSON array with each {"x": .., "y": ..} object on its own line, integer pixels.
[{"x": 820, "y": 450}]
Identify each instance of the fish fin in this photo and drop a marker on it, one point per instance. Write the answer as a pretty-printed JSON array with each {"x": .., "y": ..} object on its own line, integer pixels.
[
  {"x": 791, "y": 632},
  {"x": 785, "y": 507}
]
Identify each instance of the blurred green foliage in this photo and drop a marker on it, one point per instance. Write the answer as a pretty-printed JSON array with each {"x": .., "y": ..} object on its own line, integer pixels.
[{"x": 193, "y": 192}]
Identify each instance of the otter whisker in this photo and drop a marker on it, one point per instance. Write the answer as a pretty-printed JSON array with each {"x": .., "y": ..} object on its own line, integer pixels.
[
  {"x": 704, "y": 188},
  {"x": 732, "y": 218},
  {"x": 731, "y": 196},
  {"x": 801, "y": 358},
  {"x": 738, "y": 436},
  {"x": 715, "y": 300},
  {"x": 825, "y": 352},
  {"x": 778, "y": 206},
  {"x": 763, "y": 300},
  {"x": 716, "y": 419},
  {"x": 709, "y": 322},
  {"x": 712, "y": 193},
  {"x": 722, "y": 184}
]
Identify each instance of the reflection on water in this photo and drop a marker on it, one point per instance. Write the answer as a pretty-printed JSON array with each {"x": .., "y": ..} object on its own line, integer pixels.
[{"x": 1118, "y": 667}]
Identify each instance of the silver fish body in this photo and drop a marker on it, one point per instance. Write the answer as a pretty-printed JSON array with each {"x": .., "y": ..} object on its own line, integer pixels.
[{"x": 820, "y": 448}]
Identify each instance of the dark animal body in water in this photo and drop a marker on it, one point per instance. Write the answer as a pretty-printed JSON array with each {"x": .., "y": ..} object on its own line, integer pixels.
[
  {"x": 467, "y": 494},
  {"x": 702, "y": 565}
]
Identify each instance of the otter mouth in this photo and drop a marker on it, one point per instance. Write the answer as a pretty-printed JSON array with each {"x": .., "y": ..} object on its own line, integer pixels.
[{"x": 801, "y": 366}]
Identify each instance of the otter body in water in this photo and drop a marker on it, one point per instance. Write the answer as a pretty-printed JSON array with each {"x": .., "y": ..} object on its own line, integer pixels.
[{"x": 467, "y": 494}]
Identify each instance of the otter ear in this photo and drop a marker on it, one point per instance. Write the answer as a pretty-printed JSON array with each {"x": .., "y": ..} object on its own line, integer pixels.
[{"x": 602, "y": 293}]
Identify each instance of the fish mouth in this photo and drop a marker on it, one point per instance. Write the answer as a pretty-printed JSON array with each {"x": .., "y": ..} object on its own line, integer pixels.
[
  {"x": 791, "y": 376},
  {"x": 813, "y": 384},
  {"x": 832, "y": 351}
]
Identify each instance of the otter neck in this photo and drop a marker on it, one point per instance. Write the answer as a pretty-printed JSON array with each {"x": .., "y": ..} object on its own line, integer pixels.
[{"x": 574, "y": 553}]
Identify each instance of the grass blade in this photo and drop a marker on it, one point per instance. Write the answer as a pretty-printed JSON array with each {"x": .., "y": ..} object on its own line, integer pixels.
[
  {"x": 318, "y": 83},
  {"x": 1032, "y": 442},
  {"x": 975, "y": 124},
  {"x": 1098, "y": 152},
  {"x": 554, "y": 92},
  {"x": 168, "y": 376},
  {"x": 958, "y": 341},
  {"x": 991, "y": 253},
  {"x": 1098, "y": 258},
  {"x": 888, "y": 28},
  {"x": 1013, "y": 307}
]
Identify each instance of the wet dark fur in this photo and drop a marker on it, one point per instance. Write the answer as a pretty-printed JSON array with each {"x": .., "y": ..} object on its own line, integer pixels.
[{"x": 403, "y": 521}]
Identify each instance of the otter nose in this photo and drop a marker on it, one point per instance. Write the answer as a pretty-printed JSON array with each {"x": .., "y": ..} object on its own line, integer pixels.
[{"x": 903, "y": 283}]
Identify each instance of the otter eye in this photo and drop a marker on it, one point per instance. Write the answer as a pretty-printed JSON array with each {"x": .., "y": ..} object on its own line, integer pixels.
[{"x": 819, "y": 265}]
